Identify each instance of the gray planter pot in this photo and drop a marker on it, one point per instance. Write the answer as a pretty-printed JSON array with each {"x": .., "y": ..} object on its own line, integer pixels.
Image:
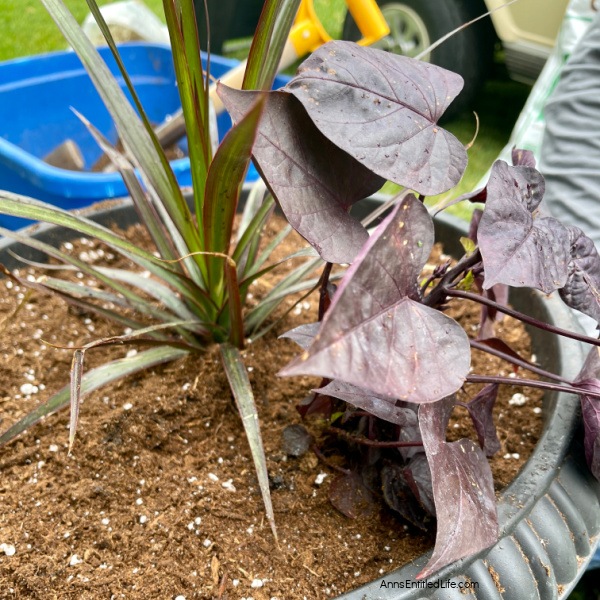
[{"x": 549, "y": 515}]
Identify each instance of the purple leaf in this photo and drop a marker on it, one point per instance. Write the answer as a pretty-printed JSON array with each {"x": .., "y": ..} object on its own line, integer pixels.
[
  {"x": 519, "y": 249},
  {"x": 481, "y": 411},
  {"x": 399, "y": 496},
  {"x": 463, "y": 491},
  {"x": 375, "y": 335},
  {"x": 314, "y": 182},
  {"x": 303, "y": 335},
  {"x": 474, "y": 224},
  {"x": 351, "y": 497},
  {"x": 383, "y": 109},
  {"x": 315, "y": 404},
  {"x": 497, "y": 293},
  {"x": 582, "y": 290},
  {"x": 524, "y": 158},
  {"x": 589, "y": 380},
  {"x": 381, "y": 406},
  {"x": 418, "y": 477}
]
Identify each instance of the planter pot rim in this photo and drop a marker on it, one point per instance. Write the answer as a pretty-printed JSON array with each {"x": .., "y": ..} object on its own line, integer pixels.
[{"x": 549, "y": 515}]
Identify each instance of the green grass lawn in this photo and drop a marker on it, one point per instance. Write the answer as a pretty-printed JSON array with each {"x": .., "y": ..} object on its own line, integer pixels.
[{"x": 28, "y": 30}]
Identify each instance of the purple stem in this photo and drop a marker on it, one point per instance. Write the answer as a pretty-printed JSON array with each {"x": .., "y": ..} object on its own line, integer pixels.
[
  {"x": 366, "y": 442},
  {"x": 542, "y": 385},
  {"x": 521, "y": 317},
  {"x": 515, "y": 361},
  {"x": 437, "y": 296},
  {"x": 324, "y": 300},
  {"x": 331, "y": 465}
]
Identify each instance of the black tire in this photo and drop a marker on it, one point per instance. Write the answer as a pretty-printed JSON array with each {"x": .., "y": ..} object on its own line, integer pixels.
[
  {"x": 415, "y": 24},
  {"x": 229, "y": 19}
]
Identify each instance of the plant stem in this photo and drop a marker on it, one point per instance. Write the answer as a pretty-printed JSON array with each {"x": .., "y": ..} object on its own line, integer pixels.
[
  {"x": 437, "y": 296},
  {"x": 385, "y": 207},
  {"x": 367, "y": 442},
  {"x": 521, "y": 317},
  {"x": 515, "y": 361},
  {"x": 542, "y": 385},
  {"x": 327, "y": 462},
  {"x": 324, "y": 299}
]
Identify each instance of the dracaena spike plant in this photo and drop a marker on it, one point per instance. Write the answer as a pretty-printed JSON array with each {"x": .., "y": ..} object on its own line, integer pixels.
[
  {"x": 390, "y": 358},
  {"x": 199, "y": 272}
]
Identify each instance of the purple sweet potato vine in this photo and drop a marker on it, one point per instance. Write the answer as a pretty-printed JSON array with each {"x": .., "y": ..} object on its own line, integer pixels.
[{"x": 390, "y": 358}]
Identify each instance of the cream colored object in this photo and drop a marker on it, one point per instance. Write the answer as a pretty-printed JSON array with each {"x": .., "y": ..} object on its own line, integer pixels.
[
  {"x": 528, "y": 21},
  {"x": 529, "y": 129},
  {"x": 128, "y": 21}
]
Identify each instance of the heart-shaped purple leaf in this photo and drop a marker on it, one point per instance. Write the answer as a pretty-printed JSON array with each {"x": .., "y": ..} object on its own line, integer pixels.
[
  {"x": 351, "y": 497},
  {"x": 589, "y": 380},
  {"x": 399, "y": 496},
  {"x": 521, "y": 157},
  {"x": 463, "y": 490},
  {"x": 384, "y": 112},
  {"x": 582, "y": 290},
  {"x": 497, "y": 293},
  {"x": 418, "y": 477},
  {"x": 381, "y": 406},
  {"x": 519, "y": 249},
  {"x": 481, "y": 411},
  {"x": 314, "y": 182},
  {"x": 375, "y": 334}
]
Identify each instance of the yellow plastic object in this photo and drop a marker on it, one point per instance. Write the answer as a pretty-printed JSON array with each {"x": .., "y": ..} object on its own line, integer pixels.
[
  {"x": 369, "y": 20},
  {"x": 308, "y": 33}
]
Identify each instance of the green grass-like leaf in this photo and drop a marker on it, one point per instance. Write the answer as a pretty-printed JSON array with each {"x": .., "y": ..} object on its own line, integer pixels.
[
  {"x": 198, "y": 284},
  {"x": 237, "y": 376},
  {"x": 93, "y": 380}
]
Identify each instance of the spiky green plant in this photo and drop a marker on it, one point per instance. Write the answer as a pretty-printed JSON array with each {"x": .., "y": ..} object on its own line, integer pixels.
[{"x": 200, "y": 277}]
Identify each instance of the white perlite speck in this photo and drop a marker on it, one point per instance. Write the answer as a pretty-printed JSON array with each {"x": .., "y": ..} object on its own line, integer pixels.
[
  {"x": 28, "y": 389},
  {"x": 320, "y": 478},
  {"x": 257, "y": 583},
  {"x": 518, "y": 400},
  {"x": 74, "y": 560},
  {"x": 8, "y": 549},
  {"x": 228, "y": 485}
]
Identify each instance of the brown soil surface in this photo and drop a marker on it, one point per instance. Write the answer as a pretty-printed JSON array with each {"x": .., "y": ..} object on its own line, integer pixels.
[{"x": 159, "y": 498}]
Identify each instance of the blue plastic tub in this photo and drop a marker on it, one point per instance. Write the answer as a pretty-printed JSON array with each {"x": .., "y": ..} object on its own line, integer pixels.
[{"x": 36, "y": 96}]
